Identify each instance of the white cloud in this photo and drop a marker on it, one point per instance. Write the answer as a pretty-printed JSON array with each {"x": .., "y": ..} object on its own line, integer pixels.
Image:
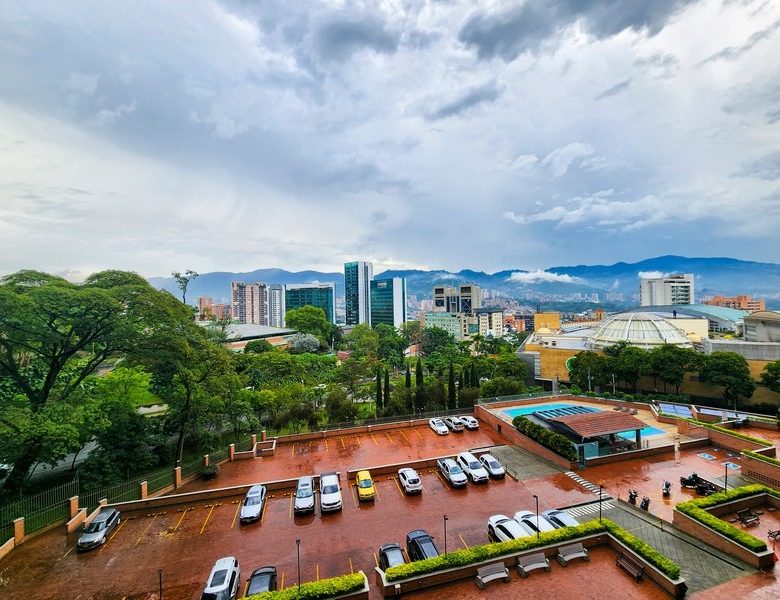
[
  {"x": 650, "y": 275},
  {"x": 109, "y": 117},
  {"x": 543, "y": 276}
]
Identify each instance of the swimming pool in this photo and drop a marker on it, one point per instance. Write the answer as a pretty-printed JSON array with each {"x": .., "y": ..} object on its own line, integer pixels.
[{"x": 648, "y": 431}]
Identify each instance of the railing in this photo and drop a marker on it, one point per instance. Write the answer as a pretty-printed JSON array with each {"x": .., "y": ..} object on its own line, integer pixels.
[
  {"x": 39, "y": 510},
  {"x": 122, "y": 492}
]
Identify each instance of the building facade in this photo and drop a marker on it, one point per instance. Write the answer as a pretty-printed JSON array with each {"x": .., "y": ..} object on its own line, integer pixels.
[
  {"x": 388, "y": 301},
  {"x": 208, "y": 310},
  {"x": 319, "y": 295},
  {"x": 357, "y": 292},
  {"x": 249, "y": 302},
  {"x": 463, "y": 299},
  {"x": 452, "y": 323},
  {"x": 666, "y": 291},
  {"x": 276, "y": 305},
  {"x": 737, "y": 302}
]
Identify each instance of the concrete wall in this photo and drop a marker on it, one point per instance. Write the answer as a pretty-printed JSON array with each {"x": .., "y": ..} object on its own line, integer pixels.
[{"x": 761, "y": 471}]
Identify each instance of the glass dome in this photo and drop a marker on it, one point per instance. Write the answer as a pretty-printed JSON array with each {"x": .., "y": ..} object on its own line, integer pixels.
[{"x": 643, "y": 330}]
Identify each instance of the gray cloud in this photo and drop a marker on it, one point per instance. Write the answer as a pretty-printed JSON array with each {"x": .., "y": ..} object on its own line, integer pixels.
[
  {"x": 615, "y": 89},
  {"x": 731, "y": 53},
  {"x": 489, "y": 92},
  {"x": 765, "y": 167},
  {"x": 339, "y": 39}
]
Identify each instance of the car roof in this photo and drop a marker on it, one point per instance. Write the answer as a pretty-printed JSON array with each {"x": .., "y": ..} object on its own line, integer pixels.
[
  {"x": 263, "y": 570},
  {"x": 417, "y": 533},
  {"x": 255, "y": 490},
  {"x": 105, "y": 514},
  {"x": 363, "y": 475}
]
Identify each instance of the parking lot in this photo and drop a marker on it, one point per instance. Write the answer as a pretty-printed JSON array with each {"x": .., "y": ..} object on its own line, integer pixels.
[{"x": 180, "y": 544}]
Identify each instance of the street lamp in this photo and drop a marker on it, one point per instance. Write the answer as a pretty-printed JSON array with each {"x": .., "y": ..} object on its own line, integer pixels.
[
  {"x": 160, "y": 573},
  {"x": 726, "y": 478},
  {"x": 298, "y": 545},
  {"x": 445, "y": 535},
  {"x": 538, "y": 533},
  {"x": 601, "y": 493}
]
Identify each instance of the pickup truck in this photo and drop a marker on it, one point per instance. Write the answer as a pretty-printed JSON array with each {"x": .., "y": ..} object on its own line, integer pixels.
[{"x": 452, "y": 472}]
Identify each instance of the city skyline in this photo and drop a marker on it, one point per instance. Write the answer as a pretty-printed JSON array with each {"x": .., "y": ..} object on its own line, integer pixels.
[{"x": 225, "y": 135}]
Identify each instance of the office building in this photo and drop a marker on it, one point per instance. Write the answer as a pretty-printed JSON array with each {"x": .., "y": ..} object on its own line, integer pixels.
[
  {"x": 357, "y": 292},
  {"x": 463, "y": 299},
  {"x": 319, "y": 295},
  {"x": 489, "y": 322},
  {"x": 249, "y": 302},
  {"x": 388, "y": 301},
  {"x": 667, "y": 291},
  {"x": 276, "y": 305}
]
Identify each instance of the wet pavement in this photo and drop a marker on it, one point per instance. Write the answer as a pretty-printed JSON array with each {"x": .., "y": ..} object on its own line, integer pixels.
[{"x": 184, "y": 541}]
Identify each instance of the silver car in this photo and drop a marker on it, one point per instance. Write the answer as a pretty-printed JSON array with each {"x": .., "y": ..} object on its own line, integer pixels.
[
  {"x": 97, "y": 531},
  {"x": 304, "y": 496},
  {"x": 252, "y": 506},
  {"x": 492, "y": 466}
]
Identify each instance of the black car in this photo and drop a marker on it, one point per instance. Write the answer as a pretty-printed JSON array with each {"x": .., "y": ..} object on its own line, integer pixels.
[
  {"x": 420, "y": 545},
  {"x": 262, "y": 580},
  {"x": 391, "y": 555}
]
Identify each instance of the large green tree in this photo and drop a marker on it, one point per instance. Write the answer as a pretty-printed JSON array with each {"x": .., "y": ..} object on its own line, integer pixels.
[
  {"x": 310, "y": 319},
  {"x": 730, "y": 371},
  {"x": 770, "y": 376},
  {"x": 53, "y": 335}
]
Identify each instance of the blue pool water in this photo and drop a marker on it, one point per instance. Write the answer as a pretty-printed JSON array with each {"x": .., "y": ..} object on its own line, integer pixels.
[{"x": 527, "y": 410}]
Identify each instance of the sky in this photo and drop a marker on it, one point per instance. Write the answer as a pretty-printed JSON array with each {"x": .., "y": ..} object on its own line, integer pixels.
[{"x": 234, "y": 135}]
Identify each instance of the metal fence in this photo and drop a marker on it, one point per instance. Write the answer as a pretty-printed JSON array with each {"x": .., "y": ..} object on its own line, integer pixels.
[
  {"x": 122, "y": 492},
  {"x": 192, "y": 467},
  {"x": 159, "y": 479},
  {"x": 38, "y": 510}
]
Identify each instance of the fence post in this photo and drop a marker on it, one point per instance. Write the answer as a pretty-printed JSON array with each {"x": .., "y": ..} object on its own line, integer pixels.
[
  {"x": 144, "y": 490},
  {"x": 232, "y": 449},
  {"x": 177, "y": 477},
  {"x": 206, "y": 460},
  {"x": 254, "y": 440},
  {"x": 18, "y": 530},
  {"x": 73, "y": 504}
]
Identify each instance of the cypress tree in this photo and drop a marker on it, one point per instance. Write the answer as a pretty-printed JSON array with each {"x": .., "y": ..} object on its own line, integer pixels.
[
  {"x": 461, "y": 378},
  {"x": 452, "y": 398},
  {"x": 387, "y": 388},
  {"x": 409, "y": 380},
  {"x": 418, "y": 376},
  {"x": 378, "y": 388}
]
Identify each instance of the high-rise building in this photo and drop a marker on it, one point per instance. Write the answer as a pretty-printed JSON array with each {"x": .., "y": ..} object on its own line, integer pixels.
[
  {"x": 319, "y": 295},
  {"x": 357, "y": 291},
  {"x": 388, "y": 301},
  {"x": 276, "y": 305},
  {"x": 665, "y": 291},
  {"x": 250, "y": 302},
  {"x": 208, "y": 310},
  {"x": 464, "y": 299},
  {"x": 490, "y": 322},
  {"x": 737, "y": 302}
]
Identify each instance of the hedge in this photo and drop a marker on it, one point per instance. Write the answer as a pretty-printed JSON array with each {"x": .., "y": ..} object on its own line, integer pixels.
[
  {"x": 318, "y": 590},
  {"x": 757, "y": 456},
  {"x": 477, "y": 554},
  {"x": 695, "y": 510},
  {"x": 731, "y": 432},
  {"x": 556, "y": 442}
]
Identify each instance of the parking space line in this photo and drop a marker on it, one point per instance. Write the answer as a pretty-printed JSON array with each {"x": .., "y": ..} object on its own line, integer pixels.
[
  {"x": 235, "y": 516},
  {"x": 376, "y": 560},
  {"x": 292, "y": 450},
  {"x": 403, "y": 434},
  {"x": 69, "y": 551},
  {"x": 327, "y": 448},
  {"x": 351, "y": 567},
  {"x": 343, "y": 445},
  {"x": 464, "y": 541},
  {"x": 418, "y": 433},
  {"x": 318, "y": 571},
  {"x": 183, "y": 514},
  {"x": 373, "y": 438},
  {"x": 206, "y": 522},
  {"x": 282, "y": 586},
  {"x": 355, "y": 495},
  {"x": 290, "y": 512},
  {"x": 387, "y": 433},
  {"x": 359, "y": 442},
  {"x": 398, "y": 485},
  {"x": 376, "y": 493},
  {"x": 140, "y": 537}
]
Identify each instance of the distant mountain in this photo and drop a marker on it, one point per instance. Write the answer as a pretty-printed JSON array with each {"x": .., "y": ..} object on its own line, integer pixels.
[{"x": 724, "y": 276}]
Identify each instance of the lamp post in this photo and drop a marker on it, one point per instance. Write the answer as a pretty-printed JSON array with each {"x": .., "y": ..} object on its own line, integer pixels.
[
  {"x": 160, "y": 573},
  {"x": 445, "y": 535},
  {"x": 538, "y": 533},
  {"x": 298, "y": 545},
  {"x": 726, "y": 479},
  {"x": 601, "y": 493}
]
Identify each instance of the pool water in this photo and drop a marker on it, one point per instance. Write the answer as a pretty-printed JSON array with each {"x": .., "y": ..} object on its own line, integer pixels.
[{"x": 527, "y": 410}]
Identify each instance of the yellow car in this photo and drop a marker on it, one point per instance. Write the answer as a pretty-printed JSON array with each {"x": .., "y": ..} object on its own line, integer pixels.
[{"x": 365, "y": 486}]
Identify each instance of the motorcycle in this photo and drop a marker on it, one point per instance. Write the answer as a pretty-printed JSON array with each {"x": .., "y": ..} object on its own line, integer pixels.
[
  {"x": 705, "y": 489},
  {"x": 645, "y": 504},
  {"x": 692, "y": 481},
  {"x": 667, "y": 489},
  {"x": 632, "y": 494}
]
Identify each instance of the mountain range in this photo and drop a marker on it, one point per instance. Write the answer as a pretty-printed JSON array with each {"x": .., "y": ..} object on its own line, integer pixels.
[{"x": 713, "y": 276}]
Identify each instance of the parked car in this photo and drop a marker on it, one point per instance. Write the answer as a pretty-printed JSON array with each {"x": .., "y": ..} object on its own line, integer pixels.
[
  {"x": 560, "y": 518},
  {"x": 97, "y": 531},
  {"x": 452, "y": 472},
  {"x": 262, "y": 580},
  {"x": 492, "y": 466},
  {"x": 391, "y": 555},
  {"x": 223, "y": 580},
  {"x": 420, "y": 545},
  {"x": 330, "y": 492},
  {"x": 252, "y": 506},
  {"x": 472, "y": 467},
  {"x": 529, "y": 518},
  {"x": 304, "y": 495},
  {"x": 502, "y": 529},
  {"x": 454, "y": 424},
  {"x": 365, "y": 485},
  {"x": 470, "y": 422},
  {"x": 409, "y": 480},
  {"x": 438, "y": 426}
]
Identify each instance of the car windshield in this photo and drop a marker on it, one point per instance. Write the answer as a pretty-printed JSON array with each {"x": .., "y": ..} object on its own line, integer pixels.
[
  {"x": 223, "y": 595},
  {"x": 219, "y": 578},
  {"x": 413, "y": 480},
  {"x": 330, "y": 489},
  {"x": 94, "y": 527},
  {"x": 304, "y": 492},
  {"x": 493, "y": 464},
  {"x": 253, "y": 501},
  {"x": 474, "y": 465},
  {"x": 365, "y": 483},
  {"x": 456, "y": 469}
]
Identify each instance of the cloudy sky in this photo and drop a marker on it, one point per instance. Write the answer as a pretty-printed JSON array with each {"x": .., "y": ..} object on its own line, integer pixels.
[{"x": 233, "y": 135}]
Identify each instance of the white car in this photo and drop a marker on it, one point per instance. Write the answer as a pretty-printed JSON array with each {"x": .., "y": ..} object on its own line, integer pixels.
[
  {"x": 560, "y": 518},
  {"x": 409, "y": 480},
  {"x": 534, "y": 523},
  {"x": 252, "y": 506},
  {"x": 503, "y": 529},
  {"x": 452, "y": 472},
  {"x": 330, "y": 492},
  {"x": 454, "y": 423},
  {"x": 492, "y": 466},
  {"x": 470, "y": 422},
  {"x": 472, "y": 467},
  {"x": 438, "y": 426},
  {"x": 223, "y": 580}
]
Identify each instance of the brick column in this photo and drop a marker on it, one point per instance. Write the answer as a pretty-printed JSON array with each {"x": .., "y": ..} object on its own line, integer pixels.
[
  {"x": 254, "y": 439},
  {"x": 263, "y": 435},
  {"x": 232, "y": 449},
  {"x": 73, "y": 503},
  {"x": 18, "y": 530},
  {"x": 206, "y": 460},
  {"x": 177, "y": 477},
  {"x": 144, "y": 490}
]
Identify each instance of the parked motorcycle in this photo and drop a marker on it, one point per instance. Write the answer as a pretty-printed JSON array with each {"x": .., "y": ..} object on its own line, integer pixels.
[
  {"x": 645, "y": 504},
  {"x": 691, "y": 481},
  {"x": 705, "y": 488},
  {"x": 667, "y": 489},
  {"x": 632, "y": 494}
]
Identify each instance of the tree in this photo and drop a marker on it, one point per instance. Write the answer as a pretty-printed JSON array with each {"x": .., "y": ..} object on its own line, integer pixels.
[
  {"x": 588, "y": 369},
  {"x": 770, "y": 376},
  {"x": 387, "y": 388},
  {"x": 670, "y": 364},
  {"x": 631, "y": 364},
  {"x": 378, "y": 387},
  {"x": 309, "y": 319},
  {"x": 183, "y": 281},
  {"x": 338, "y": 407},
  {"x": 731, "y": 371},
  {"x": 419, "y": 379},
  {"x": 391, "y": 345},
  {"x": 363, "y": 341},
  {"x": 452, "y": 392},
  {"x": 301, "y": 343},
  {"x": 408, "y": 381},
  {"x": 258, "y": 347},
  {"x": 53, "y": 335},
  {"x": 433, "y": 339}
]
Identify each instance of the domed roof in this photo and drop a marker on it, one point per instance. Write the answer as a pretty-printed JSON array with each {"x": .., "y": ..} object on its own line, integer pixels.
[{"x": 643, "y": 330}]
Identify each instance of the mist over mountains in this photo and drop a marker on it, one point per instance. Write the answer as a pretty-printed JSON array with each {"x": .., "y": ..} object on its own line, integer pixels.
[{"x": 713, "y": 276}]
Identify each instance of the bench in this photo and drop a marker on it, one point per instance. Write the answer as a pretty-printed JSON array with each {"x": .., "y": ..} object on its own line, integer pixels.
[
  {"x": 630, "y": 565},
  {"x": 566, "y": 553},
  {"x": 490, "y": 572},
  {"x": 531, "y": 562},
  {"x": 748, "y": 517}
]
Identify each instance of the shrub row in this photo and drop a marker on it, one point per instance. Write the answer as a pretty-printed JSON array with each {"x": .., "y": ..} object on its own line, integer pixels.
[
  {"x": 318, "y": 590},
  {"x": 731, "y": 432},
  {"x": 556, "y": 442},
  {"x": 695, "y": 509},
  {"x": 478, "y": 554},
  {"x": 757, "y": 456}
]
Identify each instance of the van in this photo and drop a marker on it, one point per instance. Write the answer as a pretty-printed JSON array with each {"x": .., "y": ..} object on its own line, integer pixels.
[
  {"x": 223, "y": 580},
  {"x": 304, "y": 496}
]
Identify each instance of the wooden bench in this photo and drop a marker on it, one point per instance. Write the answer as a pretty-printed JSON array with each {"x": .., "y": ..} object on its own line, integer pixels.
[
  {"x": 566, "y": 553},
  {"x": 490, "y": 572},
  {"x": 748, "y": 517},
  {"x": 630, "y": 565},
  {"x": 531, "y": 562}
]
